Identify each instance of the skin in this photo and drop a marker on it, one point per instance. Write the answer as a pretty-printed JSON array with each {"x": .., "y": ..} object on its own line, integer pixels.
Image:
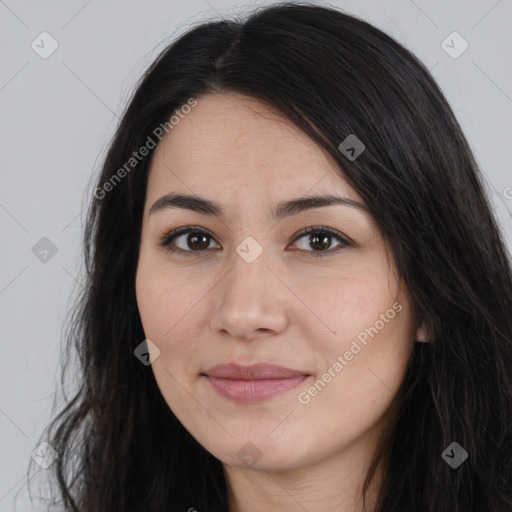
[{"x": 209, "y": 306}]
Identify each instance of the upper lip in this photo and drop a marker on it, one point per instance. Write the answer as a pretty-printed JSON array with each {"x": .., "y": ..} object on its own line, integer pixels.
[{"x": 257, "y": 371}]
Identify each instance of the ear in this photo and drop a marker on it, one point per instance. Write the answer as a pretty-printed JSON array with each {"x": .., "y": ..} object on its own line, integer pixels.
[{"x": 421, "y": 334}]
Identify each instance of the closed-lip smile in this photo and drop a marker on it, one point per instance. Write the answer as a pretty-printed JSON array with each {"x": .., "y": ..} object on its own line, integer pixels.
[{"x": 252, "y": 383}]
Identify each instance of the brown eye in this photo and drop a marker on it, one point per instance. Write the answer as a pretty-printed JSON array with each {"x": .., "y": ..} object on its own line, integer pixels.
[
  {"x": 187, "y": 239},
  {"x": 320, "y": 239},
  {"x": 197, "y": 241}
]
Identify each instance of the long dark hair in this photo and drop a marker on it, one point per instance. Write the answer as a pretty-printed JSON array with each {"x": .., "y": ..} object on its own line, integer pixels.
[{"x": 120, "y": 446}]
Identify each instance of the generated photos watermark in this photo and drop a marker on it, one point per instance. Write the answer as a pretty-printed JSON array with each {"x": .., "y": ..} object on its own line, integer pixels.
[
  {"x": 304, "y": 397},
  {"x": 144, "y": 150}
]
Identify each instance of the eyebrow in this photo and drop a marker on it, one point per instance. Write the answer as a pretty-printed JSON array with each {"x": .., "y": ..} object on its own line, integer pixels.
[{"x": 283, "y": 209}]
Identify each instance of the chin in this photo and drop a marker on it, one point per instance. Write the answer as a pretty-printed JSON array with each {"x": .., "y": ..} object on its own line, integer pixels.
[{"x": 258, "y": 454}]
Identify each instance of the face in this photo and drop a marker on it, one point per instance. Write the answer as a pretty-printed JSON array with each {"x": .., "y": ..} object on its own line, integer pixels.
[{"x": 240, "y": 284}]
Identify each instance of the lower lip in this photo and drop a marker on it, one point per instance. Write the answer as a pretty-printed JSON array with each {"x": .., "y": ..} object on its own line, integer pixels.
[{"x": 247, "y": 391}]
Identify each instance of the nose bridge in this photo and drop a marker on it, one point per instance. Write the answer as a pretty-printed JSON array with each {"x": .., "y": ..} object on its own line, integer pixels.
[
  {"x": 250, "y": 277},
  {"x": 249, "y": 298}
]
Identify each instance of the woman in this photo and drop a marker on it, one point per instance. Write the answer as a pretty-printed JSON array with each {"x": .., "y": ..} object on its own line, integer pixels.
[{"x": 297, "y": 295}]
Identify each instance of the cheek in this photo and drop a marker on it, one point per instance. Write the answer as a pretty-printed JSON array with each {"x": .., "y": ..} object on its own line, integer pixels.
[
  {"x": 164, "y": 309},
  {"x": 170, "y": 307},
  {"x": 152, "y": 302},
  {"x": 158, "y": 294},
  {"x": 342, "y": 308},
  {"x": 363, "y": 332},
  {"x": 363, "y": 365},
  {"x": 361, "y": 371}
]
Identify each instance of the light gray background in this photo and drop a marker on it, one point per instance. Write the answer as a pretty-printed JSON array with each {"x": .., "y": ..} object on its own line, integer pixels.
[{"x": 58, "y": 114}]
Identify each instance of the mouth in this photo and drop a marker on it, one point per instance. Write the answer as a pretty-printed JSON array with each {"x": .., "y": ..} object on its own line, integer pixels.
[{"x": 253, "y": 383}]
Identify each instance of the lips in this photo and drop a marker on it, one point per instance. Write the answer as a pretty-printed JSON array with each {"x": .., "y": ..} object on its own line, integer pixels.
[
  {"x": 252, "y": 383},
  {"x": 258, "y": 371}
]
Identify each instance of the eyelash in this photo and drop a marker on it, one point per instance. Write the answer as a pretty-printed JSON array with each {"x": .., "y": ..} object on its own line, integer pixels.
[{"x": 169, "y": 237}]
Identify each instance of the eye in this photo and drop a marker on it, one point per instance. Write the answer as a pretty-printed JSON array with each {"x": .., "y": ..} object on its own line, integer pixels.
[
  {"x": 320, "y": 238},
  {"x": 193, "y": 240}
]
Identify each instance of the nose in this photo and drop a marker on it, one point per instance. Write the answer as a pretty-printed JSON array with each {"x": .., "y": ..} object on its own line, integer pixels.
[{"x": 251, "y": 301}]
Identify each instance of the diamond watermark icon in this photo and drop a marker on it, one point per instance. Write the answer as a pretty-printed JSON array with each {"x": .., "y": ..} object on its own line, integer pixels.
[
  {"x": 351, "y": 147},
  {"x": 454, "y": 45},
  {"x": 454, "y": 455},
  {"x": 44, "y": 250},
  {"x": 44, "y": 45},
  {"x": 44, "y": 455},
  {"x": 249, "y": 249},
  {"x": 147, "y": 352},
  {"x": 249, "y": 455}
]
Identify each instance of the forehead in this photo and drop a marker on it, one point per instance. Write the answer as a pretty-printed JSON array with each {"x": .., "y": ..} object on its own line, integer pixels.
[{"x": 231, "y": 145}]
